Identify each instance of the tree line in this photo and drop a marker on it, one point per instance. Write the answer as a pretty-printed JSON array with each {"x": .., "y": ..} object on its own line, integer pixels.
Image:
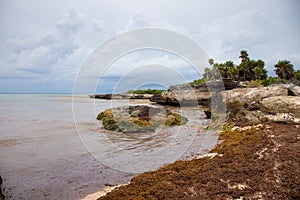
[{"x": 249, "y": 70}]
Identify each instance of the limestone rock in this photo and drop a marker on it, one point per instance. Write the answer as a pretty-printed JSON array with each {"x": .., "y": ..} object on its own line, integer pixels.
[
  {"x": 192, "y": 94},
  {"x": 281, "y": 104},
  {"x": 185, "y": 97},
  {"x": 293, "y": 90},
  {"x": 241, "y": 97},
  {"x": 139, "y": 118}
]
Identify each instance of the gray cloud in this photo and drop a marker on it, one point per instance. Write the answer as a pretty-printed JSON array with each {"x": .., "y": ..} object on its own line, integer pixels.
[
  {"x": 52, "y": 57},
  {"x": 51, "y": 49}
]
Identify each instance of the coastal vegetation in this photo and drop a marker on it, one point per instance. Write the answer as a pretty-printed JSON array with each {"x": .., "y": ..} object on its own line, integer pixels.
[{"x": 249, "y": 70}]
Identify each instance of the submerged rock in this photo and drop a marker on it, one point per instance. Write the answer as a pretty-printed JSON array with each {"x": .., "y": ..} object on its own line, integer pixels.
[{"x": 139, "y": 118}]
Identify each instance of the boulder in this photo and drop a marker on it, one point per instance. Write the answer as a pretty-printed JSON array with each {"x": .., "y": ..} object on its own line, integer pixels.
[
  {"x": 138, "y": 118},
  {"x": 183, "y": 97},
  {"x": 243, "y": 97},
  {"x": 293, "y": 90},
  {"x": 192, "y": 94},
  {"x": 278, "y": 103},
  {"x": 281, "y": 104}
]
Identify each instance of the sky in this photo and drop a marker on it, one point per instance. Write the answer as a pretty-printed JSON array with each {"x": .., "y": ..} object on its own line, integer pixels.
[{"x": 44, "y": 44}]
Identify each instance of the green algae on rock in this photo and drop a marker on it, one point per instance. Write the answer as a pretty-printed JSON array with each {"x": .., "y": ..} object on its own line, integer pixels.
[{"x": 139, "y": 118}]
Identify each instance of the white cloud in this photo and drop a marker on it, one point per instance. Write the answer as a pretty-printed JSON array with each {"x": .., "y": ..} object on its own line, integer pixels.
[
  {"x": 98, "y": 25},
  {"x": 55, "y": 56},
  {"x": 149, "y": 57},
  {"x": 139, "y": 19},
  {"x": 70, "y": 22},
  {"x": 54, "y": 47},
  {"x": 224, "y": 38}
]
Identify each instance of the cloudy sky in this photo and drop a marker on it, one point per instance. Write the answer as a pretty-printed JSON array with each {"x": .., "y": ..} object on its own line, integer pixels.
[{"x": 45, "y": 43}]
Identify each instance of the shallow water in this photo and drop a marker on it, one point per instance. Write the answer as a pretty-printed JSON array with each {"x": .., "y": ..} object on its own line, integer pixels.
[{"x": 46, "y": 154}]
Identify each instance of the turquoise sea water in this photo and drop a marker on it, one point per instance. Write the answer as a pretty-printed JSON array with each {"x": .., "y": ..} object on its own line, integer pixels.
[{"x": 52, "y": 146}]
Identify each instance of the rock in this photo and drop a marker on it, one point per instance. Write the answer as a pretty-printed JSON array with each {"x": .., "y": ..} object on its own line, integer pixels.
[
  {"x": 294, "y": 90},
  {"x": 121, "y": 96},
  {"x": 281, "y": 104},
  {"x": 157, "y": 98},
  {"x": 256, "y": 105},
  {"x": 182, "y": 97},
  {"x": 225, "y": 83},
  {"x": 243, "y": 97},
  {"x": 1, "y": 194},
  {"x": 186, "y": 97},
  {"x": 135, "y": 113},
  {"x": 207, "y": 113},
  {"x": 256, "y": 117},
  {"x": 245, "y": 116},
  {"x": 192, "y": 94},
  {"x": 138, "y": 118},
  {"x": 174, "y": 119}
]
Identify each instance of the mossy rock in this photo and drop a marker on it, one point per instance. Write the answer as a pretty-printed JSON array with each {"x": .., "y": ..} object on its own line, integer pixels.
[
  {"x": 139, "y": 118},
  {"x": 175, "y": 119}
]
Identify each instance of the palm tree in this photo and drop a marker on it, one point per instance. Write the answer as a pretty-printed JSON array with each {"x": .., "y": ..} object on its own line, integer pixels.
[
  {"x": 243, "y": 70},
  {"x": 243, "y": 67},
  {"x": 284, "y": 69},
  {"x": 297, "y": 75},
  {"x": 260, "y": 72},
  {"x": 211, "y": 61},
  {"x": 228, "y": 65},
  {"x": 244, "y": 56},
  {"x": 214, "y": 74},
  {"x": 222, "y": 70},
  {"x": 207, "y": 73},
  {"x": 234, "y": 73}
]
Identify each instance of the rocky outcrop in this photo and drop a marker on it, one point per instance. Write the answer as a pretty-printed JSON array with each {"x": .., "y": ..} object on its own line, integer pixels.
[
  {"x": 245, "y": 97},
  {"x": 182, "y": 97},
  {"x": 121, "y": 96},
  {"x": 138, "y": 118},
  {"x": 278, "y": 103},
  {"x": 192, "y": 94},
  {"x": 1, "y": 194}
]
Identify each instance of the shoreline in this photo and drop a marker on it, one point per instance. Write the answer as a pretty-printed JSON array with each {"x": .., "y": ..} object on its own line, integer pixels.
[
  {"x": 251, "y": 162},
  {"x": 103, "y": 192}
]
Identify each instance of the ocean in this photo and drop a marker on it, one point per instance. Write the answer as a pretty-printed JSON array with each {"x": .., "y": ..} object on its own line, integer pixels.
[{"x": 52, "y": 146}]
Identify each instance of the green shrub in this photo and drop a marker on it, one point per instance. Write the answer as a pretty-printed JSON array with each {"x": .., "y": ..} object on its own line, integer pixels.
[
  {"x": 256, "y": 83},
  {"x": 197, "y": 81},
  {"x": 267, "y": 82}
]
